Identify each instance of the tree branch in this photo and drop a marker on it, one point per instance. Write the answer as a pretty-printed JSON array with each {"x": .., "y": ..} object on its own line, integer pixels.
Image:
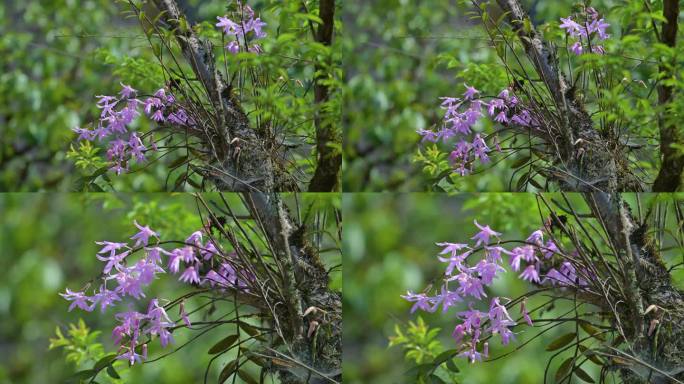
[
  {"x": 646, "y": 282},
  {"x": 318, "y": 346},
  {"x": 267, "y": 209}
]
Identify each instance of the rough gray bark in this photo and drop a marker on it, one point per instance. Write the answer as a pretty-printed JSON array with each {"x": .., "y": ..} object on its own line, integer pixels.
[
  {"x": 310, "y": 303},
  {"x": 647, "y": 282},
  {"x": 590, "y": 160}
]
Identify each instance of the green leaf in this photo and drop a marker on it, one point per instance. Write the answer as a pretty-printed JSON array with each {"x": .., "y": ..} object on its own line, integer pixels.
[
  {"x": 618, "y": 340},
  {"x": 536, "y": 184},
  {"x": 178, "y": 162},
  {"x": 92, "y": 187},
  {"x": 561, "y": 341},
  {"x": 98, "y": 172},
  {"x": 420, "y": 370},
  {"x": 590, "y": 329},
  {"x": 105, "y": 361},
  {"x": 583, "y": 375},
  {"x": 81, "y": 375},
  {"x": 436, "y": 379},
  {"x": 194, "y": 183},
  {"x": 244, "y": 375},
  {"x": 564, "y": 369},
  {"x": 78, "y": 184},
  {"x": 227, "y": 371},
  {"x": 179, "y": 182},
  {"x": 522, "y": 181},
  {"x": 309, "y": 16},
  {"x": 452, "y": 366},
  {"x": 248, "y": 328},
  {"x": 590, "y": 354},
  {"x": 223, "y": 345},
  {"x": 256, "y": 359},
  {"x": 520, "y": 162},
  {"x": 444, "y": 356},
  {"x": 112, "y": 372}
]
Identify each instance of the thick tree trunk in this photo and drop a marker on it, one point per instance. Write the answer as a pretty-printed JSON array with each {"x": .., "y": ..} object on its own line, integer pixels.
[
  {"x": 326, "y": 176},
  {"x": 669, "y": 178},
  {"x": 314, "y": 312},
  {"x": 655, "y": 336}
]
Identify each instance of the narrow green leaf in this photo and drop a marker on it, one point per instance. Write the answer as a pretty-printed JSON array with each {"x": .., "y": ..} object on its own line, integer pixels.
[
  {"x": 81, "y": 375},
  {"x": 590, "y": 355},
  {"x": 98, "y": 172},
  {"x": 444, "y": 356},
  {"x": 564, "y": 369},
  {"x": 311, "y": 17},
  {"x": 420, "y": 370},
  {"x": 520, "y": 162},
  {"x": 581, "y": 374},
  {"x": 179, "y": 182},
  {"x": 223, "y": 345},
  {"x": 178, "y": 162},
  {"x": 434, "y": 379},
  {"x": 256, "y": 359},
  {"x": 536, "y": 184},
  {"x": 227, "y": 371},
  {"x": 112, "y": 372},
  {"x": 194, "y": 183},
  {"x": 92, "y": 187},
  {"x": 561, "y": 341},
  {"x": 244, "y": 375},
  {"x": 522, "y": 181},
  {"x": 452, "y": 366},
  {"x": 593, "y": 331},
  {"x": 248, "y": 328},
  {"x": 105, "y": 361}
]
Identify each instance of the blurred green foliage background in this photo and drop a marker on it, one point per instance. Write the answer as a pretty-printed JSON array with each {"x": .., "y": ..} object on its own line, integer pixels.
[
  {"x": 389, "y": 248},
  {"x": 47, "y": 243},
  {"x": 50, "y": 74}
]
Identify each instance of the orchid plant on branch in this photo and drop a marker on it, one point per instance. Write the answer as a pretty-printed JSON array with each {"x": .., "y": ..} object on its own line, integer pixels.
[
  {"x": 235, "y": 109},
  {"x": 255, "y": 269},
  {"x": 589, "y": 102},
  {"x": 606, "y": 267}
]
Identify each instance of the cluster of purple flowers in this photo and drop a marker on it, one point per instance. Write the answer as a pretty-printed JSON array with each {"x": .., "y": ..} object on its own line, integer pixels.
[
  {"x": 462, "y": 114},
  {"x": 131, "y": 277},
  {"x": 119, "y": 112},
  {"x": 241, "y": 29},
  {"x": 593, "y": 26},
  {"x": 475, "y": 325}
]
